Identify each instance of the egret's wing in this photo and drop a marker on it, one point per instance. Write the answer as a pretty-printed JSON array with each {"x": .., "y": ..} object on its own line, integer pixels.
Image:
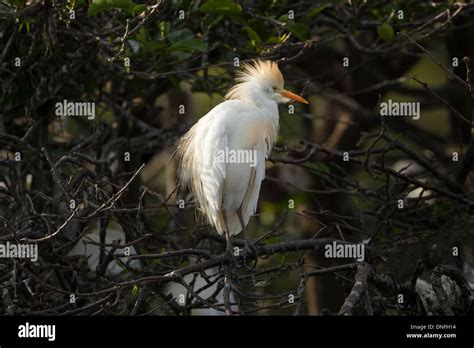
[
  {"x": 209, "y": 170},
  {"x": 249, "y": 204}
]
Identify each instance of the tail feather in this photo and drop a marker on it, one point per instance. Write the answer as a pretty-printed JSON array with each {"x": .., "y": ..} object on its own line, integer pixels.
[{"x": 233, "y": 223}]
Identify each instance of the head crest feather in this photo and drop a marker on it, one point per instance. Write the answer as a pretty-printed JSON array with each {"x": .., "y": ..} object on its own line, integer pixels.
[{"x": 258, "y": 71}]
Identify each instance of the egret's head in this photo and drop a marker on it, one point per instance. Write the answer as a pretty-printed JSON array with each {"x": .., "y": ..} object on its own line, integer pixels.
[{"x": 262, "y": 79}]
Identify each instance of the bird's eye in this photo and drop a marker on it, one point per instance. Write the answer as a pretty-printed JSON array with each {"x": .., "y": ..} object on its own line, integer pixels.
[{"x": 274, "y": 89}]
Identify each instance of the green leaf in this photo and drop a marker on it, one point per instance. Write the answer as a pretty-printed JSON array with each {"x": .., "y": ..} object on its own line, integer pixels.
[
  {"x": 24, "y": 24},
  {"x": 180, "y": 35},
  {"x": 102, "y": 5},
  {"x": 273, "y": 40},
  {"x": 153, "y": 45},
  {"x": 143, "y": 35},
  {"x": 284, "y": 18},
  {"x": 191, "y": 44},
  {"x": 316, "y": 11},
  {"x": 224, "y": 7},
  {"x": 299, "y": 30},
  {"x": 146, "y": 42},
  {"x": 210, "y": 21},
  {"x": 385, "y": 31},
  {"x": 138, "y": 9},
  {"x": 164, "y": 29},
  {"x": 134, "y": 292},
  {"x": 253, "y": 36},
  {"x": 377, "y": 13}
]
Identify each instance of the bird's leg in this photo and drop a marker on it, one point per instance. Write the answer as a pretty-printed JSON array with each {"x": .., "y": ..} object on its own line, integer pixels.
[
  {"x": 227, "y": 289},
  {"x": 226, "y": 231},
  {"x": 249, "y": 248},
  {"x": 228, "y": 271},
  {"x": 229, "y": 248}
]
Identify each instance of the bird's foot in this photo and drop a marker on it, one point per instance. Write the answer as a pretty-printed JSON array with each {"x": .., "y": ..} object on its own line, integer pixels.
[{"x": 249, "y": 252}]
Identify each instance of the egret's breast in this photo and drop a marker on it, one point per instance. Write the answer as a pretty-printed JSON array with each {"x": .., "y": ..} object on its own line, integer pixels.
[
  {"x": 249, "y": 135},
  {"x": 259, "y": 132}
]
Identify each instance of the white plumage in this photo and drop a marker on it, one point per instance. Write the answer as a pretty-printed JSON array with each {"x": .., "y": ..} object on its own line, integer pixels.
[
  {"x": 89, "y": 247},
  {"x": 248, "y": 120}
]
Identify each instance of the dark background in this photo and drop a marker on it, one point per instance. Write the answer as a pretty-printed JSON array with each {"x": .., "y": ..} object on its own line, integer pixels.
[{"x": 182, "y": 53}]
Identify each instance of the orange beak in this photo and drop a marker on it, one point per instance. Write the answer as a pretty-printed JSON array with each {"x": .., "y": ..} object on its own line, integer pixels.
[{"x": 291, "y": 95}]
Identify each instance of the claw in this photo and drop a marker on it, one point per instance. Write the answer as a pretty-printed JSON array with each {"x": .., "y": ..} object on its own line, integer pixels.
[{"x": 249, "y": 250}]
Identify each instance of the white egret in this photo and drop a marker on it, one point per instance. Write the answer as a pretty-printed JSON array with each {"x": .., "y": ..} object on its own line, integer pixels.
[
  {"x": 222, "y": 157},
  {"x": 89, "y": 246}
]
